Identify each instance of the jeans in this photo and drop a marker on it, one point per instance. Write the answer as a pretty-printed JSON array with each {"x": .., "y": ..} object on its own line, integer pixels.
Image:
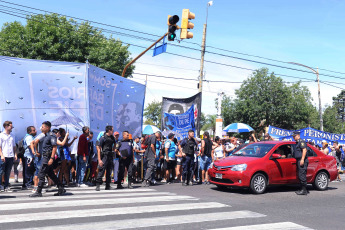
[
  {"x": 29, "y": 170},
  {"x": 1, "y": 171},
  {"x": 188, "y": 166},
  {"x": 116, "y": 168},
  {"x": 7, "y": 166},
  {"x": 151, "y": 166},
  {"x": 81, "y": 169},
  {"x": 204, "y": 162}
]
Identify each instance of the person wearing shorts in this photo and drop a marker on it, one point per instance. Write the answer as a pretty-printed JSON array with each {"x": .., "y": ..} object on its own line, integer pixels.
[{"x": 170, "y": 157}]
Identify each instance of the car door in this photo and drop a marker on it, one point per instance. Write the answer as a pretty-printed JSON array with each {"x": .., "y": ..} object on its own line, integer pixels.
[
  {"x": 313, "y": 164},
  {"x": 282, "y": 170}
]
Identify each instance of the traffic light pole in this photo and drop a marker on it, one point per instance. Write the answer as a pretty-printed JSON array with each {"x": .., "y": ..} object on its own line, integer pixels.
[{"x": 129, "y": 64}]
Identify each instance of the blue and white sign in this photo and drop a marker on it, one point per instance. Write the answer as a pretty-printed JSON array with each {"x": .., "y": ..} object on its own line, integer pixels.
[
  {"x": 307, "y": 134},
  {"x": 69, "y": 95},
  {"x": 180, "y": 124}
]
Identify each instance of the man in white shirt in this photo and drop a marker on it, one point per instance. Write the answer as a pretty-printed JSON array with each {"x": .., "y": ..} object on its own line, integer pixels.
[{"x": 7, "y": 152}]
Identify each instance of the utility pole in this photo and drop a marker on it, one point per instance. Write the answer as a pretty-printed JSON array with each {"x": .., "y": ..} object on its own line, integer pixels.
[
  {"x": 219, "y": 119},
  {"x": 201, "y": 77},
  {"x": 319, "y": 94}
]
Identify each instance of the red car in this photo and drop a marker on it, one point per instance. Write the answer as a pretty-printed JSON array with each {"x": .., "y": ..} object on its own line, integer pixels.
[{"x": 260, "y": 164}]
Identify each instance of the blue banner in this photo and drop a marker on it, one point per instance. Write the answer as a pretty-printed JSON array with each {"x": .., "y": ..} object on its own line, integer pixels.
[
  {"x": 308, "y": 134},
  {"x": 179, "y": 124},
  {"x": 69, "y": 95}
]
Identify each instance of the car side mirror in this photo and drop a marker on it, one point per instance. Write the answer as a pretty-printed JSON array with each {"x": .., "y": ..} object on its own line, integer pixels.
[{"x": 276, "y": 156}]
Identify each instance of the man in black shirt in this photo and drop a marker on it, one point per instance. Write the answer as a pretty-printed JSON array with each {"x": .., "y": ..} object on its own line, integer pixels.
[
  {"x": 49, "y": 147},
  {"x": 300, "y": 154},
  {"x": 105, "y": 152},
  {"x": 124, "y": 149},
  {"x": 150, "y": 155},
  {"x": 206, "y": 157},
  {"x": 188, "y": 147}
]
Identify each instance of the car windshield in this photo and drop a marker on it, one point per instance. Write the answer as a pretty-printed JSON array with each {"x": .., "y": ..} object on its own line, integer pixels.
[{"x": 254, "y": 150}]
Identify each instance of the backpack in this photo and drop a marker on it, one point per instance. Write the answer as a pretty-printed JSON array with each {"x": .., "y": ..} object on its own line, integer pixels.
[{"x": 21, "y": 148}]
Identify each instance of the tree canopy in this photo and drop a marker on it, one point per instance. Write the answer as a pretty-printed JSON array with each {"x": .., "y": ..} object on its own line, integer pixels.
[
  {"x": 264, "y": 99},
  {"x": 153, "y": 113},
  {"x": 54, "y": 37}
]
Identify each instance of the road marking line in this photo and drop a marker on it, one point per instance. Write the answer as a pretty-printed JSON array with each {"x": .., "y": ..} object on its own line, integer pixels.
[
  {"x": 51, "y": 197},
  {"x": 78, "y": 191},
  {"x": 81, "y": 203},
  {"x": 107, "y": 212},
  {"x": 274, "y": 226},
  {"x": 156, "y": 221}
]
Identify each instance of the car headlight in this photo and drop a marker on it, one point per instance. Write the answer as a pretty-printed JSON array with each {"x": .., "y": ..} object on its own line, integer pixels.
[{"x": 240, "y": 167}]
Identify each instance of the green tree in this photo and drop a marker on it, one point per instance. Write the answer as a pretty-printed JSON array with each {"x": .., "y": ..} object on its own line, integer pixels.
[
  {"x": 153, "y": 113},
  {"x": 54, "y": 37},
  {"x": 210, "y": 123},
  {"x": 330, "y": 122},
  {"x": 264, "y": 99}
]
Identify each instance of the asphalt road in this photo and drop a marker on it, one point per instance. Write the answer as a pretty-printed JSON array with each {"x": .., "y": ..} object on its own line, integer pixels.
[{"x": 175, "y": 207}]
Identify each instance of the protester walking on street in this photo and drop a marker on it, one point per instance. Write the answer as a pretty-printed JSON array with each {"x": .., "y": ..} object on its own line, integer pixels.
[
  {"x": 29, "y": 158},
  {"x": 83, "y": 156},
  {"x": 300, "y": 154},
  {"x": 49, "y": 149},
  {"x": 170, "y": 157},
  {"x": 105, "y": 153},
  {"x": 205, "y": 158},
  {"x": 7, "y": 152},
  {"x": 188, "y": 147},
  {"x": 150, "y": 155},
  {"x": 124, "y": 149}
]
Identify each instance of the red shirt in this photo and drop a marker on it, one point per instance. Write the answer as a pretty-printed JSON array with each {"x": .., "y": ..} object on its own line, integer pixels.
[{"x": 83, "y": 146}]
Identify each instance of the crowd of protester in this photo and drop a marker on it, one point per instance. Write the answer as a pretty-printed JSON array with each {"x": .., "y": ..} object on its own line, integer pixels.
[{"x": 105, "y": 158}]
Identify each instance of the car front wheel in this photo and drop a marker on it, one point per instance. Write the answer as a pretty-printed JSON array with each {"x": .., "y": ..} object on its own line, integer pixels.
[
  {"x": 258, "y": 184},
  {"x": 321, "y": 181}
]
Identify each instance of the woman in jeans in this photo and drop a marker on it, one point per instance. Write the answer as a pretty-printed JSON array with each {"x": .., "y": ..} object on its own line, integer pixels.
[{"x": 65, "y": 156}]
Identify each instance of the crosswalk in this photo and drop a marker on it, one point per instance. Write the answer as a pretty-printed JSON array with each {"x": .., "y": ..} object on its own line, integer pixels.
[{"x": 84, "y": 208}]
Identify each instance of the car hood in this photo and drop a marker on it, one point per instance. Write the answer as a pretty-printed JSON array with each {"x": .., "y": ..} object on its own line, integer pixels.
[{"x": 235, "y": 160}]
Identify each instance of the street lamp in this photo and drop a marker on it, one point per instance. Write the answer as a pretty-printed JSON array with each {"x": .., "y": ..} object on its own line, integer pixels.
[{"x": 318, "y": 84}]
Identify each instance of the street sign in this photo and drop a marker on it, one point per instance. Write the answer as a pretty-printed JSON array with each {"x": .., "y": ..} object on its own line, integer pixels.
[{"x": 160, "y": 49}]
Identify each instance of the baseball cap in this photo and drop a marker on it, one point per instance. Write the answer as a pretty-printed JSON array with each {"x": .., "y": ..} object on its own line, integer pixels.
[
  {"x": 130, "y": 136},
  {"x": 116, "y": 133},
  {"x": 295, "y": 133},
  {"x": 171, "y": 135}
]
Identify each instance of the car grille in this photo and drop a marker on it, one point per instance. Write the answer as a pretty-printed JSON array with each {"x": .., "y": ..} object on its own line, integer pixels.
[
  {"x": 222, "y": 168},
  {"x": 222, "y": 180}
]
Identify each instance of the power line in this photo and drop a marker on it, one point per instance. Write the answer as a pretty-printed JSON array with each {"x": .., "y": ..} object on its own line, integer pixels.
[
  {"x": 212, "y": 62},
  {"x": 134, "y": 36}
]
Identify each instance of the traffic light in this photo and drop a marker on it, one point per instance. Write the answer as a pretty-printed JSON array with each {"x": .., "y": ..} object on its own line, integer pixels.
[
  {"x": 186, "y": 24},
  {"x": 172, "y": 27}
]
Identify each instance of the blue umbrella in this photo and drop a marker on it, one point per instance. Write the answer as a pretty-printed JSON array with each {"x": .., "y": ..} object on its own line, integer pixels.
[
  {"x": 238, "y": 128},
  {"x": 150, "y": 129}
]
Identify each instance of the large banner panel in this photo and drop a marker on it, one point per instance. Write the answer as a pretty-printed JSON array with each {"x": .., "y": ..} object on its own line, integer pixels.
[
  {"x": 69, "y": 95},
  {"x": 307, "y": 134},
  {"x": 179, "y": 124},
  {"x": 115, "y": 101},
  {"x": 178, "y": 106}
]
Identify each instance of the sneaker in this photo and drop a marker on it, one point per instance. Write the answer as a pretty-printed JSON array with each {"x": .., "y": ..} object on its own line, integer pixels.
[
  {"x": 2, "y": 189},
  {"x": 146, "y": 183},
  {"x": 34, "y": 190},
  {"x": 36, "y": 194},
  {"x": 191, "y": 183},
  {"x": 112, "y": 188},
  {"x": 130, "y": 186},
  {"x": 164, "y": 181},
  {"x": 83, "y": 186},
  {"x": 153, "y": 181},
  {"x": 339, "y": 180},
  {"x": 119, "y": 186},
  {"x": 8, "y": 189},
  {"x": 60, "y": 192}
]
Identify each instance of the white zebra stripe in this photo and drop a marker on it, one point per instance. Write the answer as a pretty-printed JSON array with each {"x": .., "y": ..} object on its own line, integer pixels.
[
  {"x": 107, "y": 212},
  {"x": 79, "y": 203},
  {"x": 156, "y": 221}
]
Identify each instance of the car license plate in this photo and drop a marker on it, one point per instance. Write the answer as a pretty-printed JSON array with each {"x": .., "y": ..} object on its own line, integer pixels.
[{"x": 219, "y": 176}]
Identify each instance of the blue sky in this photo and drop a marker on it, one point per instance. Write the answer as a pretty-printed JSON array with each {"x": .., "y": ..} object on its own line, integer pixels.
[{"x": 310, "y": 32}]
